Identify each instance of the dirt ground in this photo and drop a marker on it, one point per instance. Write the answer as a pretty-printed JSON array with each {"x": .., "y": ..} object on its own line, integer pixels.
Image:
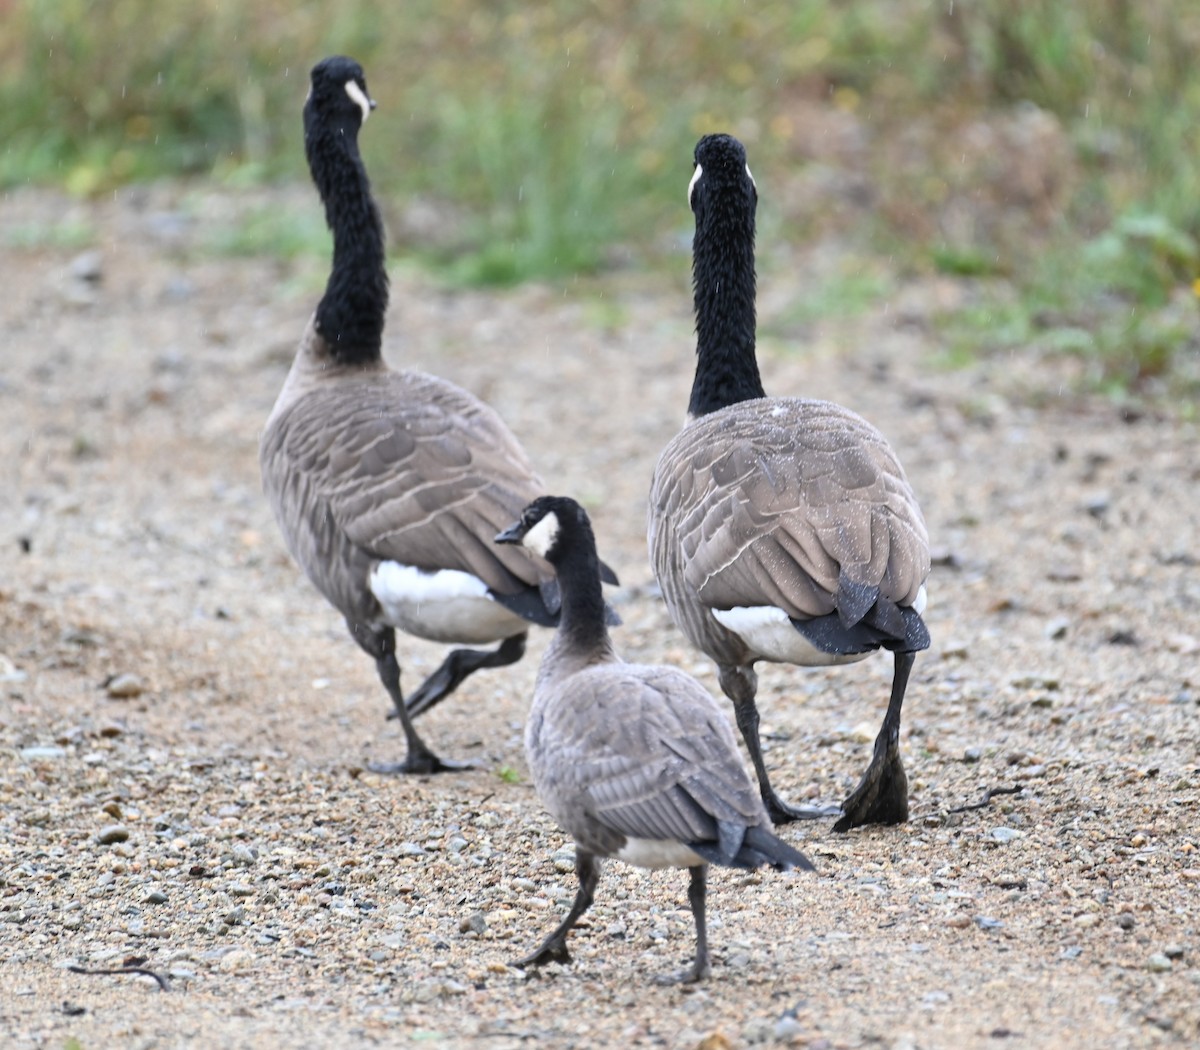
[{"x": 185, "y": 724}]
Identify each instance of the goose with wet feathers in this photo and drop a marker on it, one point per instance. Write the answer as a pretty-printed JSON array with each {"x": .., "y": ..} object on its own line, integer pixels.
[{"x": 781, "y": 528}]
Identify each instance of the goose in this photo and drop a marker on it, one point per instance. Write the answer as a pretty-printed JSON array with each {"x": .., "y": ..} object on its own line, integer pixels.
[
  {"x": 635, "y": 762},
  {"x": 781, "y": 528},
  {"x": 388, "y": 486}
]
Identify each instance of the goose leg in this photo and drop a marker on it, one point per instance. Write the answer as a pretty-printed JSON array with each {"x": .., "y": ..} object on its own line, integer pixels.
[
  {"x": 457, "y": 666},
  {"x": 700, "y": 968},
  {"x": 419, "y": 758},
  {"x": 882, "y": 795},
  {"x": 740, "y": 685},
  {"x": 554, "y": 947}
]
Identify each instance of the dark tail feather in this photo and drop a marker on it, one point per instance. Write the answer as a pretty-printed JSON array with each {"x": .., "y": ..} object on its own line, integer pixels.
[
  {"x": 754, "y": 848},
  {"x": 778, "y": 853}
]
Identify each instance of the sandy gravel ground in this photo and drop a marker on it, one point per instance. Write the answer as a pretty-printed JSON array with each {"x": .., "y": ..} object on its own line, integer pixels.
[{"x": 185, "y": 725}]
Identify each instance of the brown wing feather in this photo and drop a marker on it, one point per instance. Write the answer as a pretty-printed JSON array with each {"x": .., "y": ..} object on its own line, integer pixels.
[
  {"x": 626, "y": 750},
  {"x": 399, "y": 466},
  {"x": 772, "y": 501}
]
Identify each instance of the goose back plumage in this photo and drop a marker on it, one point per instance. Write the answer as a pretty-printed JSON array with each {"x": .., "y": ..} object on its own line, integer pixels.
[
  {"x": 621, "y": 751},
  {"x": 789, "y": 502},
  {"x": 364, "y": 465}
]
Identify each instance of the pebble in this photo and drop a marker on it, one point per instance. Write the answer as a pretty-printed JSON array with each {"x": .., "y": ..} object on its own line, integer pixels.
[
  {"x": 156, "y": 897},
  {"x": 1009, "y": 881},
  {"x": 972, "y": 754},
  {"x": 1158, "y": 963},
  {"x": 112, "y": 833},
  {"x": 239, "y": 889},
  {"x": 1057, "y": 628},
  {"x": 473, "y": 923},
  {"x": 1126, "y": 921},
  {"x": 787, "y": 1028},
  {"x": 35, "y": 754},
  {"x": 1004, "y": 834},
  {"x": 124, "y": 686},
  {"x": 1174, "y": 951},
  {"x": 238, "y": 959},
  {"x": 87, "y": 266},
  {"x": 243, "y": 856},
  {"x": 411, "y": 849}
]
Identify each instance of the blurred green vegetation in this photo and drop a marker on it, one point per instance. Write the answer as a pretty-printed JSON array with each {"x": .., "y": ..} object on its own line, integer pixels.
[{"x": 1044, "y": 145}]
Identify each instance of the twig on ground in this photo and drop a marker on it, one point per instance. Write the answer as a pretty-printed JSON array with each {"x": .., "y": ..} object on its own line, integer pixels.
[
  {"x": 988, "y": 795},
  {"x": 163, "y": 983}
]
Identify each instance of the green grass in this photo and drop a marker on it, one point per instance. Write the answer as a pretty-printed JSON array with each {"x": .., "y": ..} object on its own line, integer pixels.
[
  {"x": 269, "y": 229},
  {"x": 554, "y": 132},
  {"x": 68, "y": 233}
]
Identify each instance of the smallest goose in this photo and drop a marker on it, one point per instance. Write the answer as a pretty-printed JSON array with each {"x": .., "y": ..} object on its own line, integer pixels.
[{"x": 635, "y": 762}]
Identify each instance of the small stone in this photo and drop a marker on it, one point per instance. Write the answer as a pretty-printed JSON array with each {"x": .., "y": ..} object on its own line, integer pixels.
[
  {"x": 238, "y": 959},
  {"x": 863, "y": 733},
  {"x": 1004, "y": 835},
  {"x": 787, "y": 1028},
  {"x": 1158, "y": 963},
  {"x": 1097, "y": 504},
  {"x": 239, "y": 889},
  {"x": 1057, "y": 628},
  {"x": 87, "y": 267},
  {"x": 243, "y": 856},
  {"x": 473, "y": 923},
  {"x": 112, "y": 833},
  {"x": 112, "y": 730},
  {"x": 124, "y": 686},
  {"x": 1009, "y": 881},
  {"x": 972, "y": 754},
  {"x": 156, "y": 897},
  {"x": 37, "y": 754},
  {"x": 1174, "y": 951},
  {"x": 1126, "y": 921},
  {"x": 411, "y": 849}
]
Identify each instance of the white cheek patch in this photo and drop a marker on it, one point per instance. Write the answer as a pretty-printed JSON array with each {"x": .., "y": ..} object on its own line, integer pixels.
[
  {"x": 751, "y": 177},
  {"x": 359, "y": 98},
  {"x": 692, "y": 185},
  {"x": 543, "y": 535}
]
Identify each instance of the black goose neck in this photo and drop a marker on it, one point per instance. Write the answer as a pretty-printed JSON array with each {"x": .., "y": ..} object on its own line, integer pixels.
[
  {"x": 723, "y": 291},
  {"x": 350, "y": 315},
  {"x": 577, "y": 565}
]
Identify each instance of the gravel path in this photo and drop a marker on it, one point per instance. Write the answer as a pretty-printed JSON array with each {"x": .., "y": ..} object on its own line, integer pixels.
[{"x": 185, "y": 726}]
